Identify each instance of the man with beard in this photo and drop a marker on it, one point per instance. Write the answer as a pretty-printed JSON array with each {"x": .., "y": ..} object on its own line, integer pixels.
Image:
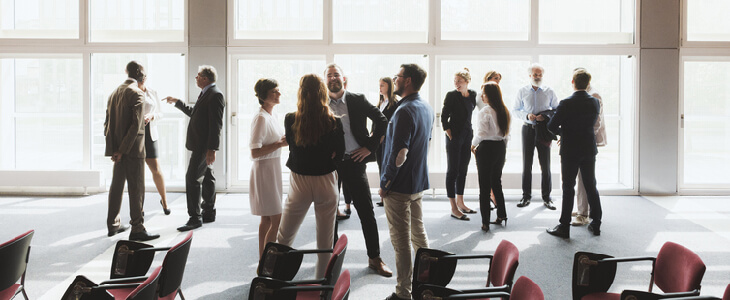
[
  {"x": 360, "y": 146},
  {"x": 533, "y": 105}
]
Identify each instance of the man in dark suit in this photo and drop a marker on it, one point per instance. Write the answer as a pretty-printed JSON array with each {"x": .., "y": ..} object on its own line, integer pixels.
[
  {"x": 124, "y": 132},
  {"x": 573, "y": 121},
  {"x": 203, "y": 139},
  {"x": 360, "y": 147}
]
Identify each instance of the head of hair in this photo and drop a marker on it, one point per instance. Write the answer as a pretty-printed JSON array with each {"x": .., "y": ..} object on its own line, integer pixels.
[
  {"x": 262, "y": 88},
  {"x": 333, "y": 65},
  {"x": 417, "y": 75},
  {"x": 136, "y": 71},
  {"x": 208, "y": 72},
  {"x": 491, "y": 74},
  {"x": 313, "y": 117},
  {"x": 581, "y": 79},
  {"x": 494, "y": 99},
  {"x": 464, "y": 73},
  {"x": 391, "y": 92},
  {"x": 535, "y": 66}
]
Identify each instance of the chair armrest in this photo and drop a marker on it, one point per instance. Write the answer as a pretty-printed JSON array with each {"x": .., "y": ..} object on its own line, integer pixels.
[
  {"x": 494, "y": 289},
  {"x": 116, "y": 286},
  {"x": 125, "y": 280},
  {"x": 308, "y": 288},
  {"x": 502, "y": 295},
  {"x": 311, "y": 281},
  {"x": 626, "y": 259},
  {"x": 471, "y": 256},
  {"x": 650, "y": 295},
  {"x": 681, "y": 294},
  {"x": 311, "y": 251},
  {"x": 154, "y": 249}
]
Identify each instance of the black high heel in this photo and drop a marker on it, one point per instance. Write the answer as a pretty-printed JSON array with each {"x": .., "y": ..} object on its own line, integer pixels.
[
  {"x": 166, "y": 210},
  {"x": 498, "y": 221}
]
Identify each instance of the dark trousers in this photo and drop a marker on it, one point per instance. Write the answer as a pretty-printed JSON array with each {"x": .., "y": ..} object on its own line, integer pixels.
[
  {"x": 200, "y": 173},
  {"x": 458, "y": 153},
  {"x": 345, "y": 192},
  {"x": 529, "y": 143},
  {"x": 490, "y": 162},
  {"x": 355, "y": 182},
  {"x": 587, "y": 166},
  {"x": 130, "y": 170}
]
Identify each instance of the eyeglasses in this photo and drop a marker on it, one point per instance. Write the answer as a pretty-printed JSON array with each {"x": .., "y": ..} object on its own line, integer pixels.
[{"x": 395, "y": 77}]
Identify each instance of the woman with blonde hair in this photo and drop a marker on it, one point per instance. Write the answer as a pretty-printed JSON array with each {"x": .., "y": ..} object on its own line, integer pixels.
[{"x": 316, "y": 141}]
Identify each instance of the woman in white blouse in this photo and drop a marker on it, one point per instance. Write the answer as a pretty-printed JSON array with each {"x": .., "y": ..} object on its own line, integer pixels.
[
  {"x": 267, "y": 136},
  {"x": 489, "y": 147},
  {"x": 152, "y": 114}
]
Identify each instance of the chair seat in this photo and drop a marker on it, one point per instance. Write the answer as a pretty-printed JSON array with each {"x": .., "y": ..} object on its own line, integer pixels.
[
  {"x": 121, "y": 293},
  {"x": 9, "y": 292},
  {"x": 311, "y": 295},
  {"x": 602, "y": 296}
]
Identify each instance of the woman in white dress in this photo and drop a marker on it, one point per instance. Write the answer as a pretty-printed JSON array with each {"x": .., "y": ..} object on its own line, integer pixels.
[
  {"x": 265, "y": 191},
  {"x": 152, "y": 114}
]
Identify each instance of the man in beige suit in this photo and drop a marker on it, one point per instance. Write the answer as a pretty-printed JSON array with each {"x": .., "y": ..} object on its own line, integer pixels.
[{"x": 124, "y": 131}]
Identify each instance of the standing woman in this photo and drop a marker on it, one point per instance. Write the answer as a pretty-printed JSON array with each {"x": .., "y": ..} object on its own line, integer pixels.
[
  {"x": 493, "y": 76},
  {"x": 456, "y": 121},
  {"x": 489, "y": 147},
  {"x": 387, "y": 105},
  {"x": 316, "y": 141},
  {"x": 152, "y": 113},
  {"x": 267, "y": 137}
]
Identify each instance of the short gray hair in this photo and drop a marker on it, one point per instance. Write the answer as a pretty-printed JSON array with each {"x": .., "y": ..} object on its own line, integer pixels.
[
  {"x": 336, "y": 66},
  {"x": 208, "y": 72},
  {"x": 535, "y": 66}
]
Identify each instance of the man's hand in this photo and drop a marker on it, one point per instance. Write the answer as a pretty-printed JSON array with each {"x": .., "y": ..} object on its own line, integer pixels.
[
  {"x": 170, "y": 99},
  {"x": 474, "y": 149},
  {"x": 531, "y": 117},
  {"x": 540, "y": 118},
  {"x": 448, "y": 133},
  {"x": 382, "y": 193},
  {"x": 210, "y": 157},
  {"x": 360, "y": 154},
  {"x": 116, "y": 157}
]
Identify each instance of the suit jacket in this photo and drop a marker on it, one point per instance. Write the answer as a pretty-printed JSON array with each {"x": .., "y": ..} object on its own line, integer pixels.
[
  {"x": 359, "y": 110},
  {"x": 124, "y": 123},
  {"x": 456, "y": 113},
  {"x": 573, "y": 121},
  {"x": 206, "y": 120}
]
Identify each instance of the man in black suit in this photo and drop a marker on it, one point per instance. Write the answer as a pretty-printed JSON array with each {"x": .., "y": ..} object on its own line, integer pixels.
[
  {"x": 573, "y": 121},
  {"x": 203, "y": 139},
  {"x": 360, "y": 147}
]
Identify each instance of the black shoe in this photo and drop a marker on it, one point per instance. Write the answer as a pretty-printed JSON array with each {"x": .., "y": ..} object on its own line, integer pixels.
[
  {"x": 524, "y": 202},
  {"x": 191, "y": 224},
  {"x": 122, "y": 228},
  {"x": 166, "y": 210},
  {"x": 499, "y": 221},
  {"x": 348, "y": 211},
  {"x": 393, "y": 296},
  {"x": 485, "y": 228},
  {"x": 142, "y": 236},
  {"x": 381, "y": 204},
  {"x": 342, "y": 217},
  {"x": 594, "y": 229},
  {"x": 560, "y": 230},
  {"x": 549, "y": 204},
  {"x": 209, "y": 216}
]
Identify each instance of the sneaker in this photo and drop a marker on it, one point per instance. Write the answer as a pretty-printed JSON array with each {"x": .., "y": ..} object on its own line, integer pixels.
[{"x": 580, "y": 220}]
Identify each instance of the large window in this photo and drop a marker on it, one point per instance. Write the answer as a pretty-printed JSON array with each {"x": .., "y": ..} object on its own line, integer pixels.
[
  {"x": 706, "y": 20},
  {"x": 587, "y": 21},
  {"x": 380, "y": 21},
  {"x": 136, "y": 21},
  {"x": 490, "y": 20},
  {"x": 39, "y": 19},
  {"x": 278, "y": 19}
]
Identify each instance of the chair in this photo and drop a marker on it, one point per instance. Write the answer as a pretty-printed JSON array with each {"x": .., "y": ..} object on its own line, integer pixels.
[
  {"x": 14, "y": 255},
  {"x": 725, "y": 296},
  {"x": 84, "y": 289},
  {"x": 523, "y": 289},
  {"x": 437, "y": 267},
  {"x": 263, "y": 288},
  {"x": 283, "y": 262},
  {"x": 676, "y": 270}
]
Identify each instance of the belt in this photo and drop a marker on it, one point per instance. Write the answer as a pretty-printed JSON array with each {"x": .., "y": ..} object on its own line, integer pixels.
[
  {"x": 530, "y": 125},
  {"x": 346, "y": 157}
]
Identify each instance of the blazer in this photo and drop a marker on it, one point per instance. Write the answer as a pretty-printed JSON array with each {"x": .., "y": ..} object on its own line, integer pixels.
[
  {"x": 315, "y": 160},
  {"x": 389, "y": 110},
  {"x": 206, "y": 120},
  {"x": 573, "y": 121},
  {"x": 124, "y": 123},
  {"x": 155, "y": 112},
  {"x": 456, "y": 115},
  {"x": 359, "y": 110}
]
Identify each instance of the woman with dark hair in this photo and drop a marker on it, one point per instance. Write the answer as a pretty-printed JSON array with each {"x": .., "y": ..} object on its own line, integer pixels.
[
  {"x": 387, "y": 105},
  {"x": 265, "y": 191},
  {"x": 316, "y": 141},
  {"x": 489, "y": 147}
]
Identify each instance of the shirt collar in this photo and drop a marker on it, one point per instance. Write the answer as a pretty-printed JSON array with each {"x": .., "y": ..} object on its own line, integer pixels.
[
  {"x": 338, "y": 101},
  {"x": 207, "y": 87}
]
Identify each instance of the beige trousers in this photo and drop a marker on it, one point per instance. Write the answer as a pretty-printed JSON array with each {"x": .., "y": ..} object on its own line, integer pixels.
[
  {"x": 303, "y": 191},
  {"x": 581, "y": 197},
  {"x": 405, "y": 221}
]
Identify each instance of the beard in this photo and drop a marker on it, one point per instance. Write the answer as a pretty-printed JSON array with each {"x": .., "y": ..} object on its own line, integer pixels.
[
  {"x": 536, "y": 82},
  {"x": 398, "y": 91},
  {"x": 334, "y": 86}
]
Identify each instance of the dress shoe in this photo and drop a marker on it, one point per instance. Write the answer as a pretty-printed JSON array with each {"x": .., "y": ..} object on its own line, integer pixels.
[
  {"x": 524, "y": 202},
  {"x": 549, "y": 204},
  {"x": 381, "y": 204},
  {"x": 348, "y": 211},
  {"x": 122, "y": 228},
  {"x": 191, "y": 224},
  {"x": 485, "y": 228},
  {"x": 580, "y": 220},
  {"x": 560, "y": 230},
  {"x": 167, "y": 211},
  {"x": 393, "y": 296},
  {"x": 342, "y": 217},
  {"x": 142, "y": 236},
  {"x": 594, "y": 229},
  {"x": 209, "y": 216},
  {"x": 379, "y": 266}
]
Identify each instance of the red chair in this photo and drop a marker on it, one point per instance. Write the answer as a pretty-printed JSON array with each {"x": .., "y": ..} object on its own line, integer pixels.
[
  {"x": 263, "y": 288},
  {"x": 676, "y": 270},
  {"x": 725, "y": 296},
  {"x": 523, "y": 289},
  {"x": 14, "y": 256},
  {"x": 435, "y": 267},
  {"x": 283, "y": 262},
  {"x": 82, "y": 289}
]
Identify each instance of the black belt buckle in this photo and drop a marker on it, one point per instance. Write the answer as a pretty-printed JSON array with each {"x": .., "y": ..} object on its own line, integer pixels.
[{"x": 346, "y": 157}]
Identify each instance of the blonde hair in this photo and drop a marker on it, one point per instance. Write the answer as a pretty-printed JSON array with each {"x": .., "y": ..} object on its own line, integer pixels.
[
  {"x": 313, "y": 117},
  {"x": 464, "y": 74},
  {"x": 491, "y": 74}
]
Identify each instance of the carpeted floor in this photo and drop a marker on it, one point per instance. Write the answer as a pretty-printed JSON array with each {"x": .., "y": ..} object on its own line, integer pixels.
[{"x": 71, "y": 239}]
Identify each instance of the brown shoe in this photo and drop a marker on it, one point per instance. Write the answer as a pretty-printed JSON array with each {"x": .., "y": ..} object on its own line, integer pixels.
[{"x": 379, "y": 266}]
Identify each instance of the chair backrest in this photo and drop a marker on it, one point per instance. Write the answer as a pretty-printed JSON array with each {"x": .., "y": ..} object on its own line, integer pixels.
[
  {"x": 726, "y": 296},
  {"x": 504, "y": 264},
  {"x": 334, "y": 265},
  {"x": 342, "y": 287},
  {"x": 147, "y": 290},
  {"x": 526, "y": 289},
  {"x": 173, "y": 267},
  {"x": 678, "y": 269},
  {"x": 14, "y": 256}
]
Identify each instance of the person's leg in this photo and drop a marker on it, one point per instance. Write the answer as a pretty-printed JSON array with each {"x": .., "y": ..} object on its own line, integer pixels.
[
  {"x": 528, "y": 152},
  {"x": 464, "y": 159},
  {"x": 135, "y": 187},
  {"x": 324, "y": 195},
  {"x": 295, "y": 209},
  {"x": 355, "y": 178},
  {"x": 208, "y": 194},
  {"x": 116, "y": 189},
  {"x": 581, "y": 197},
  {"x": 588, "y": 170},
  {"x": 452, "y": 163},
  {"x": 499, "y": 159},
  {"x": 193, "y": 179},
  {"x": 569, "y": 169},
  {"x": 154, "y": 165},
  {"x": 264, "y": 227},
  {"x": 397, "y": 211},
  {"x": 543, "y": 155},
  {"x": 419, "y": 238},
  {"x": 273, "y": 229},
  {"x": 484, "y": 173}
]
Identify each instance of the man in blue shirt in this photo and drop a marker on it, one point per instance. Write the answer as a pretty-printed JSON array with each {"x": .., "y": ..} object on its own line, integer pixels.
[{"x": 405, "y": 173}]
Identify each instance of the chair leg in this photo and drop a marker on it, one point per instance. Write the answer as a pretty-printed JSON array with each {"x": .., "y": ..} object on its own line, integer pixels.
[{"x": 179, "y": 291}]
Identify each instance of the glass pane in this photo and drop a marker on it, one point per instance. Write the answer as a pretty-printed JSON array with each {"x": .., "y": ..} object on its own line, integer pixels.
[
  {"x": 707, "y": 20},
  {"x": 485, "y": 20},
  {"x": 39, "y": 19},
  {"x": 380, "y": 21},
  {"x": 278, "y": 19},
  {"x": 41, "y": 108},
  {"x": 706, "y": 130},
  {"x": 136, "y": 21},
  {"x": 166, "y": 75},
  {"x": 287, "y": 70},
  {"x": 587, "y": 21}
]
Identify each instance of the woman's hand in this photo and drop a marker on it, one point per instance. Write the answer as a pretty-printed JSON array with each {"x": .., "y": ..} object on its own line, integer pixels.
[
  {"x": 474, "y": 149},
  {"x": 448, "y": 133}
]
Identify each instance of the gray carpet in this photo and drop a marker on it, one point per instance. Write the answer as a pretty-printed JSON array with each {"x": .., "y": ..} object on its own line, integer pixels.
[{"x": 71, "y": 239}]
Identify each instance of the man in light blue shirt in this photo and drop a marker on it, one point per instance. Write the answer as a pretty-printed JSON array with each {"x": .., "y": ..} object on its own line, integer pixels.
[{"x": 533, "y": 105}]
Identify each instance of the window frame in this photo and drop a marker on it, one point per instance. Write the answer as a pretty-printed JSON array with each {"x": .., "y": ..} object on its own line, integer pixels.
[{"x": 684, "y": 43}]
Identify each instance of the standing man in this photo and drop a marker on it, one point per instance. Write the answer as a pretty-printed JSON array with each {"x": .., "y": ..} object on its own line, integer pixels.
[
  {"x": 124, "y": 131},
  {"x": 573, "y": 121},
  {"x": 360, "y": 146},
  {"x": 405, "y": 173},
  {"x": 534, "y": 104},
  {"x": 203, "y": 139}
]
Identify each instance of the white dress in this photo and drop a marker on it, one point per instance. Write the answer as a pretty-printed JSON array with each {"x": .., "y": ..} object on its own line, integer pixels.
[{"x": 265, "y": 191}]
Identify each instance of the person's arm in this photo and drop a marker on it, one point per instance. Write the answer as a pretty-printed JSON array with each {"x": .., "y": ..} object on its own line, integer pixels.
[
  {"x": 156, "y": 113},
  {"x": 215, "y": 124},
  {"x": 379, "y": 125},
  {"x": 446, "y": 114},
  {"x": 258, "y": 149},
  {"x": 553, "y": 98},
  {"x": 557, "y": 120},
  {"x": 403, "y": 128},
  {"x": 519, "y": 107},
  {"x": 135, "y": 126},
  {"x": 599, "y": 121},
  {"x": 339, "y": 141}
]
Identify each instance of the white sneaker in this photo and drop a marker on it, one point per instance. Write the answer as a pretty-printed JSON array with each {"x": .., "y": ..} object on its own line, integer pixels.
[{"x": 580, "y": 220}]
